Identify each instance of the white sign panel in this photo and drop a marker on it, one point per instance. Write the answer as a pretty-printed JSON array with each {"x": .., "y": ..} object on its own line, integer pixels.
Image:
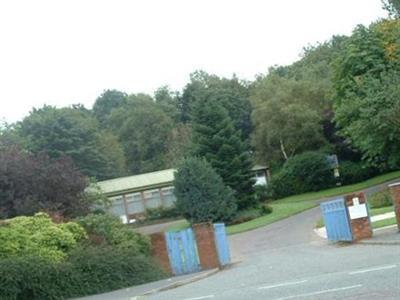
[{"x": 358, "y": 210}]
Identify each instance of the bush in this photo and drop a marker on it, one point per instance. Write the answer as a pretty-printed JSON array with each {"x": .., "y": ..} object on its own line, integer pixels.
[
  {"x": 251, "y": 213},
  {"x": 302, "y": 173},
  {"x": 162, "y": 213},
  {"x": 201, "y": 194},
  {"x": 87, "y": 271},
  {"x": 353, "y": 172},
  {"x": 261, "y": 193},
  {"x": 106, "y": 229},
  {"x": 38, "y": 236},
  {"x": 381, "y": 199}
]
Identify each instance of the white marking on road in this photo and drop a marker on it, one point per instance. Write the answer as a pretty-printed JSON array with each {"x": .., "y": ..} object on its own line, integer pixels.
[
  {"x": 202, "y": 297},
  {"x": 281, "y": 284},
  {"x": 323, "y": 292},
  {"x": 373, "y": 269}
]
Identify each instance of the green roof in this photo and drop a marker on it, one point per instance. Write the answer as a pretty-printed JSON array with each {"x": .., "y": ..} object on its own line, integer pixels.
[{"x": 137, "y": 183}]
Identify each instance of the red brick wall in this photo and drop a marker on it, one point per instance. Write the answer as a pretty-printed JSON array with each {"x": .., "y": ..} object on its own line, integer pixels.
[
  {"x": 159, "y": 251},
  {"x": 361, "y": 227},
  {"x": 395, "y": 190},
  {"x": 206, "y": 247}
]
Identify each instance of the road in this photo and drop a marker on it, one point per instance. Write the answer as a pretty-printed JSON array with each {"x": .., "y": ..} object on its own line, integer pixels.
[{"x": 286, "y": 260}]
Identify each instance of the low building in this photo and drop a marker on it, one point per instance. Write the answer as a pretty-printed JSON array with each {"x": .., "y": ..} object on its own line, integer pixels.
[
  {"x": 131, "y": 196},
  {"x": 261, "y": 174}
]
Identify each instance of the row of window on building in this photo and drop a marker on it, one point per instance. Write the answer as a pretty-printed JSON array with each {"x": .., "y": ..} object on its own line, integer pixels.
[{"x": 129, "y": 206}]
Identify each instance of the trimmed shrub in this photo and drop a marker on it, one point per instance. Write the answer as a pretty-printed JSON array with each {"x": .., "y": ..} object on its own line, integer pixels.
[
  {"x": 353, "y": 172},
  {"x": 38, "y": 236},
  {"x": 201, "y": 193},
  {"x": 106, "y": 229},
  {"x": 302, "y": 173},
  {"x": 162, "y": 213},
  {"x": 87, "y": 271},
  {"x": 381, "y": 199}
]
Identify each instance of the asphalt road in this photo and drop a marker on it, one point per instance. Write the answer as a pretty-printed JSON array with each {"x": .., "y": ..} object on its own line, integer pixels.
[{"x": 286, "y": 260}]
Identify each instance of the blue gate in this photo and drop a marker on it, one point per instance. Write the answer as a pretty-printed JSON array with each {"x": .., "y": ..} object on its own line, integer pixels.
[
  {"x": 221, "y": 242},
  {"x": 182, "y": 251},
  {"x": 336, "y": 220}
]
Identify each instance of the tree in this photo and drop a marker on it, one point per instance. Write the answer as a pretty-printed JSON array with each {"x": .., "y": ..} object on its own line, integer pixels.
[
  {"x": 178, "y": 144},
  {"x": 30, "y": 183},
  {"x": 232, "y": 94},
  {"x": 215, "y": 139},
  {"x": 108, "y": 100},
  {"x": 367, "y": 92},
  {"x": 143, "y": 128},
  {"x": 284, "y": 124},
  {"x": 168, "y": 102},
  {"x": 75, "y": 133},
  {"x": 393, "y": 7},
  {"x": 201, "y": 194}
]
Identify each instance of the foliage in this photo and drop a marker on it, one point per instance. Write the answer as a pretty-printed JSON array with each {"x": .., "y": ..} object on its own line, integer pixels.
[
  {"x": 143, "y": 128},
  {"x": 106, "y": 102},
  {"x": 302, "y": 173},
  {"x": 86, "y": 271},
  {"x": 367, "y": 85},
  {"x": 215, "y": 139},
  {"x": 353, "y": 172},
  {"x": 201, "y": 193},
  {"x": 284, "y": 123},
  {"x": 380, "y": 199},
  {"x": 251, "y": 213},
  {"x": 261, "y": 193},
  {"x": 393, "y": 7},
  {"x": 105, "y": 229},
  {"x": 162, "y": 213},
  {"x": 75, "y": 133},
  {"x": 178, "y": 144},
  {"x": 31, "y": 183},
  {"x": 38, "y": 236},
  {"x": 232, "y": 94}
]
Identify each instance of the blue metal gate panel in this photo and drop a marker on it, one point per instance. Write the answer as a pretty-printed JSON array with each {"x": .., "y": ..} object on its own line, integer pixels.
[
  {"x": 336, "y": 220},
  {"x": 221, "y": 242},
  {"x": 182, "y": 251}
]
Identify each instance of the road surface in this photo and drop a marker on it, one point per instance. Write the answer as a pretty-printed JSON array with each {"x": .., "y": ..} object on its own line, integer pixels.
[{"x": 287, "y": 260}]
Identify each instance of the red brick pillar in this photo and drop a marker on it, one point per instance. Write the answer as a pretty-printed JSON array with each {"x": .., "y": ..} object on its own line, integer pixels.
[
  {"x": 358, "y": 214},
  {"x": 395, "y": 190},
  {"x": 159, "y": 251},
  {"x": 206, "y": 246}
]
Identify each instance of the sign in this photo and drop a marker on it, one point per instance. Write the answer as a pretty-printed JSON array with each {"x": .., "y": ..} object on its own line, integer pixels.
[{"x": 358, "y": 210}]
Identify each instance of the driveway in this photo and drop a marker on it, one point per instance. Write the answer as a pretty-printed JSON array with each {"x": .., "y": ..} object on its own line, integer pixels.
[{"x": 287, "y": 260}]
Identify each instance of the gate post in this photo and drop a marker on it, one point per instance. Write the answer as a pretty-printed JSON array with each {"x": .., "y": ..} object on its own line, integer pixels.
[
  {"x": 206, "y": 246},
  {"x": 359, "y": 217},
  {"x": 159, "y": 251},
  {"x": 395, "y": 190}
]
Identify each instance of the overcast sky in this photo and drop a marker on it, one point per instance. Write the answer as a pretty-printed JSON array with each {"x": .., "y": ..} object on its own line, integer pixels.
[{"x": 64, "y": 52}]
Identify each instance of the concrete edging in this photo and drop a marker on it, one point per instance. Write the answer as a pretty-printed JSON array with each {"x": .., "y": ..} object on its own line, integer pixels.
[{"x": 205, "y": 274}]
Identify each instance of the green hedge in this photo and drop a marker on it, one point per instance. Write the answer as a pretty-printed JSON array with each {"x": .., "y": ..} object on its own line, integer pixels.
[
  {"x": 87, "y": 271},
  {"x": 302, "y": 173},
  {"x": 354, "y": 172}
]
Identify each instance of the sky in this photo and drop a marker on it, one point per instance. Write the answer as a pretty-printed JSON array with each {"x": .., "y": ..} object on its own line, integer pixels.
[{"x": 63, "y": 52}]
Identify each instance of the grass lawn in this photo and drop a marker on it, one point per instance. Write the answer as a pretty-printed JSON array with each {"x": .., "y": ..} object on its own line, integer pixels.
[
  {"x": 292, "y": 205},
  {"x": 384, "y": 223}
]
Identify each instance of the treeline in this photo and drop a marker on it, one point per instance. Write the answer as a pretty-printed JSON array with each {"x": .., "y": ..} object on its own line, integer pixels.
[{"x": 342, "y": 97}]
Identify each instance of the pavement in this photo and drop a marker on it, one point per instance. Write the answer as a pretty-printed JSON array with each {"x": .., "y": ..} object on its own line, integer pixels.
[{"x": 136, "y": 292}]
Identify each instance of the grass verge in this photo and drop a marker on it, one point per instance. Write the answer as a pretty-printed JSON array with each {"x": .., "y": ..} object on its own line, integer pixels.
[
  {"x": 383, "y": 223},
  {"x": 292, "y": 205}
]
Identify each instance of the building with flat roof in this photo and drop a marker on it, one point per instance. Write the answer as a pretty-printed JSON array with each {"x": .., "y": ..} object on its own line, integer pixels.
[{"x": 131, "y": 196}]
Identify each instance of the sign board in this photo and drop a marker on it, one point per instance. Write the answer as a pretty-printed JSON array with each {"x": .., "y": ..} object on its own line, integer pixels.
[{"x": 358, "y": 210}]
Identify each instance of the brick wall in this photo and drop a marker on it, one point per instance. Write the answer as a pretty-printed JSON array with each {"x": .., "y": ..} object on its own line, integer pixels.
[
  {"x": 160, "y": 252},
  {"x": 360, "y": 227},
  {"x": 395, "y": 190},
  {"x": 206, "y": 246}
]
